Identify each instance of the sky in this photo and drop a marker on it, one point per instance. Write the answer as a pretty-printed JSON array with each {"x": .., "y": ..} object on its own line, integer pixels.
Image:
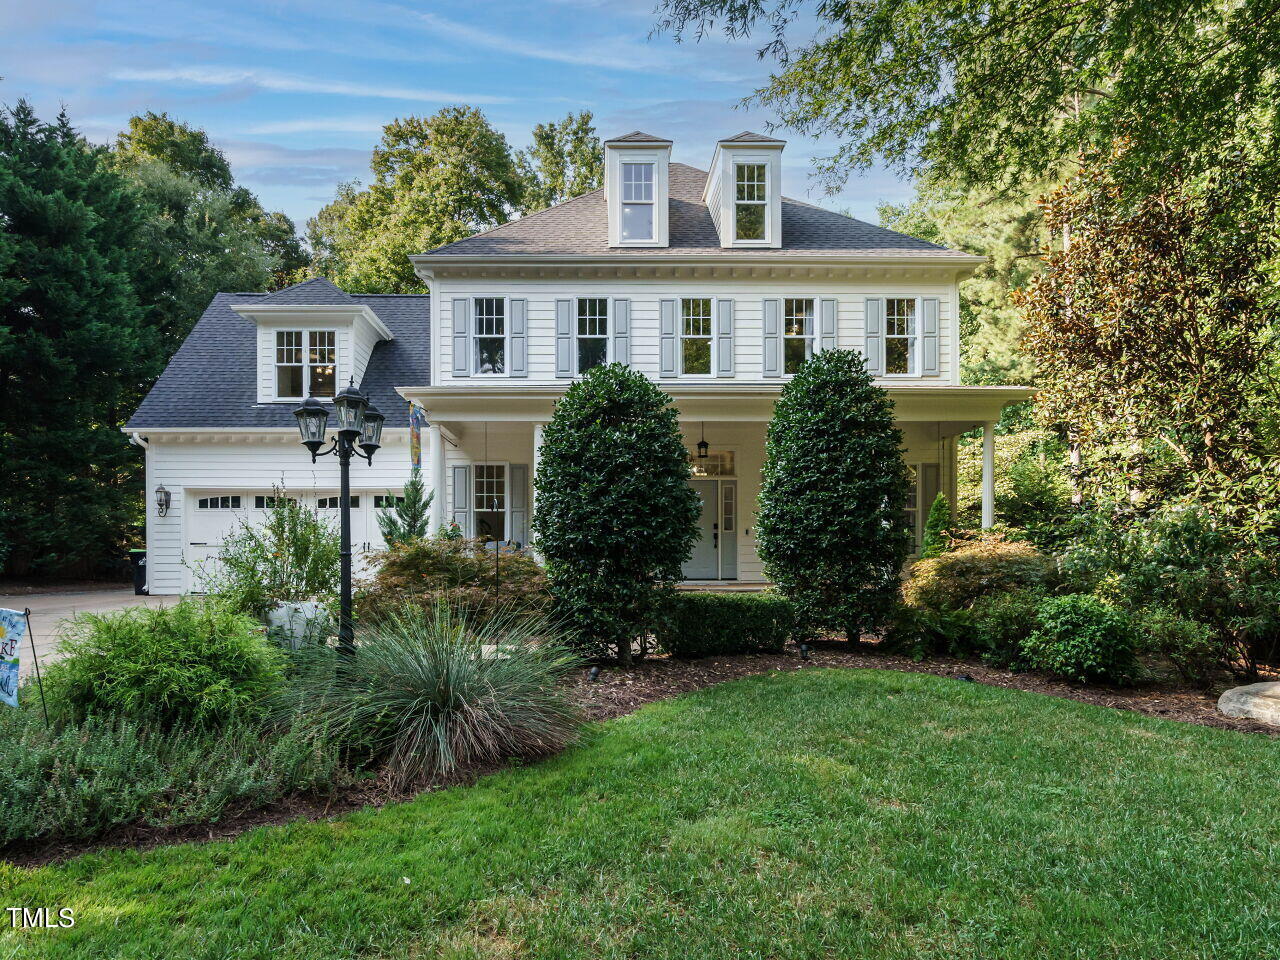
[{"x": 296, "y": 93}]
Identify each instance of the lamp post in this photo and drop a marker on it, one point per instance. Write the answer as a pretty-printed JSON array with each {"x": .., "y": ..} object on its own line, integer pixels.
[{"x": 359, "y": 425}]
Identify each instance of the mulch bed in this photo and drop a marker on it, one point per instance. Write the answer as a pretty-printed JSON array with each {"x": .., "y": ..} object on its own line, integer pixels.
[{"x": 618, "y": 691}]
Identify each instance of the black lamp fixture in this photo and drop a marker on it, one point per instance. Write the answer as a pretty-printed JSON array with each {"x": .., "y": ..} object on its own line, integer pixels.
[
  {"x": 163, "y": 499},
  {"x": 703, "y": 446},
  {"x": 359, "y": 424}
]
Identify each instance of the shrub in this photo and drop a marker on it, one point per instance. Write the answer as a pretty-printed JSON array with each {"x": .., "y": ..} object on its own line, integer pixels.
[
  {"x": 616, "y": 516},
  {"x": 80, "y": 780},
  {"x": 919, "y": 632},
  {"x": 460, "y": 573},
  {"x": 831, "y": 529},
  {"x": 195, "y": 663},
  {"x": 409, "y": 516},
  {"x": 937, "y": 526},
  {"x": 1081, "y": 638},
  {"x": 292, "y": 556},
  {"x": 706, "y": 624},
  {"x": 1197, "y": 566},
  {"x": 431, "y": 691},
  {"x": 987, "y": 565},
  {"x": 1000, "y": 623},
  {"x": 1190, "y": 647}
]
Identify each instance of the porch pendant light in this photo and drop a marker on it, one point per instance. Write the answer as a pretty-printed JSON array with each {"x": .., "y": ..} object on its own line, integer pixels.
[{"x": 703, "y": 446}]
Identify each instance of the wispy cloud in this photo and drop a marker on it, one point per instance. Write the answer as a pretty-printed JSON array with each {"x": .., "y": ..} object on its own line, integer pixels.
[
  {"x": 320, "y": 125},
  {"x": 292, "y": 83}
]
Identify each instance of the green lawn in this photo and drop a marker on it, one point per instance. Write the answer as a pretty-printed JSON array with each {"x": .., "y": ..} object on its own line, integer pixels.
[{"x": 814, "y": 814}]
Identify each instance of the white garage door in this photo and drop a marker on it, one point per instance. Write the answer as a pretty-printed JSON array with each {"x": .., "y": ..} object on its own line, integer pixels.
[{"x": 212, "y": 516}]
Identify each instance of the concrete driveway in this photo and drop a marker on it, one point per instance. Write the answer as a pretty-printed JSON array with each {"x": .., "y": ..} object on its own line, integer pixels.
[{"x": 50, "y": 610}]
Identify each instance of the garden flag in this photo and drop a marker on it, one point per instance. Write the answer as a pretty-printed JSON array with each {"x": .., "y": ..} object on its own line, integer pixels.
[
  {"x": 13, "y": 627},
  {"x": 417, "y": 420}
]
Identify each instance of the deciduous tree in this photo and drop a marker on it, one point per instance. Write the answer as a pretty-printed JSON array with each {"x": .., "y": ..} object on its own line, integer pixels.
[{"x": 564, "y": 161}]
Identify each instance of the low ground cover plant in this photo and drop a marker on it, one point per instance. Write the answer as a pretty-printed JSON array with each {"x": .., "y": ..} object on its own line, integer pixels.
[
  {"x": 428, "y": 691},
  {"x": 463, "y": 574},
  {"x": 79, "y": 780},
  {"x": 198, "y": 663},
  {"x": 707, "y": 624}
]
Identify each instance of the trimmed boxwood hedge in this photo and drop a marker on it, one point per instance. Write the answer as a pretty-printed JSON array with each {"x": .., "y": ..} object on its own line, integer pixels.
[{"x": 706, "y": 624}]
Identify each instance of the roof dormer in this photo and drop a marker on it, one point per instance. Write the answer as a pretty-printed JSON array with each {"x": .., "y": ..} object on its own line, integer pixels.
[
  {"x": 636, "y": 189},
  {"x": 312, "y": 338},
  {"x": 744, "y": 191}
]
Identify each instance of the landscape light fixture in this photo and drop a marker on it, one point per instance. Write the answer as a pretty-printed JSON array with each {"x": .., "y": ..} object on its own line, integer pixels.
[{"x": 359, "y": 424}]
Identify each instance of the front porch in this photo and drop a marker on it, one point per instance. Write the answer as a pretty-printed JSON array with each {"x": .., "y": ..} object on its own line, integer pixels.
[{"x": 481, "y": 456}]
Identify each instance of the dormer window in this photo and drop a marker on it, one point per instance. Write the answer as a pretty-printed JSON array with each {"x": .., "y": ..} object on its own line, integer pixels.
[
  {"x": 637, "y": 202},
  {"x": 751, "y": 200},
  {"x": 306, "y": 364}
]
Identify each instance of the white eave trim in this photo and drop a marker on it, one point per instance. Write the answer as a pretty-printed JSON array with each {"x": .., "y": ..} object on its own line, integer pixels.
[
  {"x": 768, "y": 257},
  {"x": 302, "y": 313}
]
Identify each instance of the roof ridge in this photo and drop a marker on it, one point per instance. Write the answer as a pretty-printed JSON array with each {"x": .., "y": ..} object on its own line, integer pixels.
[{"x": 522, "y": 219}]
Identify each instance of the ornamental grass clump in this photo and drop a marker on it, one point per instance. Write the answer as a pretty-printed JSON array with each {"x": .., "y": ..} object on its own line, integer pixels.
[{"x": 430, "y": 691}]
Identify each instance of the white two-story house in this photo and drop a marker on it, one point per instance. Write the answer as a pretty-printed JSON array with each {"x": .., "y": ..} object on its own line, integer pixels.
[{"x": 710, "y": 282}]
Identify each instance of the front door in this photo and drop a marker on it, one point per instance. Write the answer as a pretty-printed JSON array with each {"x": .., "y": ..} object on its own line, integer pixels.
[{"x": 704, "y": 563}]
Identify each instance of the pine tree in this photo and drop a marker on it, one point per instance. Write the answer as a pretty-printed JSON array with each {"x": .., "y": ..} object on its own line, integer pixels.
[
  {"x": 936, "y": 527},
  {"x": 409, "y": 516},
  {"x": 831, "y": 527}
]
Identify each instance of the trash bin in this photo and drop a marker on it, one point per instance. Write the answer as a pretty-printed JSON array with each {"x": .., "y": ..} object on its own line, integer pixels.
[{"x": 138, "y": 558}]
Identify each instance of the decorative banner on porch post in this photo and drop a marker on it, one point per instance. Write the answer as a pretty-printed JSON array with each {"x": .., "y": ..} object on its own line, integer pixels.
[
  {"x": 417, "y": 420},
  {"x": 13, "y": 627}
]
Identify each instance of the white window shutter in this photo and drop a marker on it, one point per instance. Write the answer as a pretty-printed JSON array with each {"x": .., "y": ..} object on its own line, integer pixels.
[
  {"x": 621, "y": 331},
  {"x": 462, "y": 499},
  {"x": 929, "y": 366},
  {"x": 772, "y": 311},
  {"x": 519, "y": 337},
  {"x": 827, "y": 324},
  {"x": 669, "y": 341},
  {"x": 874, "y": 329}
]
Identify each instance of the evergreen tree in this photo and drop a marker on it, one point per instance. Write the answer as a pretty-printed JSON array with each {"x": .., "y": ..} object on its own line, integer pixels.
[
  {"x": 409, "y": 516},
  {"x": 77, "y": 348},
  {"x": 831, "y": 528},
  {"x": 936, "y": 527},
  {"x": 616, "y": 516}
]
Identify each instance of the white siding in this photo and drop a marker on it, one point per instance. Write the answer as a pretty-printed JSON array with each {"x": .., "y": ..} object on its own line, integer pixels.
[
  {"x": 748, "y": 297},
  {"x": 189, "y": 469}
]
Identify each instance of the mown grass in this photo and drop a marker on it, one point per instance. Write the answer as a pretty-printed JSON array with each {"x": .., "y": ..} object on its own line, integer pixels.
[{"x": 811, "y": 814}]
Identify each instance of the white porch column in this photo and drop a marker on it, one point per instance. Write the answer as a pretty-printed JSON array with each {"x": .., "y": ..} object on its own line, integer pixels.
[
  {"x": 988, "y": 475},
  {"x": 435, "y": 481},
  {"x": 533, "y": 479}
]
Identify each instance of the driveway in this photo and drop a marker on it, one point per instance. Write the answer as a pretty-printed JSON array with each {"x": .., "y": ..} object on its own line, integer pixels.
[{"x": 49, "y": 610}]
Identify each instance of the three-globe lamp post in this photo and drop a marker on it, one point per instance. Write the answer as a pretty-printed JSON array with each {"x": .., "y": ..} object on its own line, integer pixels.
[{"x": 358, "y": 433}]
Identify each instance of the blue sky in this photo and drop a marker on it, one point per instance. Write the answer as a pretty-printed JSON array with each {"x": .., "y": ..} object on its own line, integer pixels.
[{"x": 296, "y": 93}]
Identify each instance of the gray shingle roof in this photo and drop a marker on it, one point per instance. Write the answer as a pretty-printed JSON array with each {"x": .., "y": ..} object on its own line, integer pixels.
[
  {"x": 579, "y": 227},
  {"x": 746, "y": 136},
  {"x": 313, "y": 293},
  {"x": 212, "y": 379},
  {"x": 636, "y": 136}
]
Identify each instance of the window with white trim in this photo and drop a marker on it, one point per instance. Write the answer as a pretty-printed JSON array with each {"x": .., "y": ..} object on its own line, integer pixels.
[
  {"x": 901, "y": 338},
  {"x": 728, "y": 507},
  {"x": 490, "y": 351},
  {"x": 695, "y": 335},
  {"x": 490, "y": 501},
  {"x": 798, "y": 320},
  {"x": 335, "y": 503},
  {"x": 637, "y": 202},
  {"x": 218, "y": 503},
  {"x": 306, "y": 364},
  {"x": 593, "y": 332},
  {"x": 751, "y": 200},
  {"x": 912, "y": 507},
  {"x": 383, "y": 501},
  {"x": 270, "y": 503},
  {"x": 717, "y": 463}
]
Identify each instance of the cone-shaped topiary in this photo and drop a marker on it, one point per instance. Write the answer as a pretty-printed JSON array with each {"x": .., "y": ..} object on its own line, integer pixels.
[
  {"x": 831, "y": 528},
  {"x": 936, "y": 527},
  {"x": 616, "y": 517}
]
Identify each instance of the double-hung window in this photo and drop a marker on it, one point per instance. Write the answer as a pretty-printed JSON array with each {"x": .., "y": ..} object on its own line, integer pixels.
[
  {"x": 901, "y": 336},
  {"x": 593, "y": 332},
  {"x": 306, "y": 364},
  {"x": 695, "y": 335},
  {"x": 637, "y": 202},
  {"x": 490, "y": 349},
  {"x": 751, "y": 200},
  {"x": 797, "y": 332},
  {"x": 490, "y": 501}
]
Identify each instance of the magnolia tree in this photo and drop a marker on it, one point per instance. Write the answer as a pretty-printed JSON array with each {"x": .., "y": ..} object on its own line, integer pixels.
[
  {"x": 616, "y": 517},
  {"x": 832, "y": 529}
]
